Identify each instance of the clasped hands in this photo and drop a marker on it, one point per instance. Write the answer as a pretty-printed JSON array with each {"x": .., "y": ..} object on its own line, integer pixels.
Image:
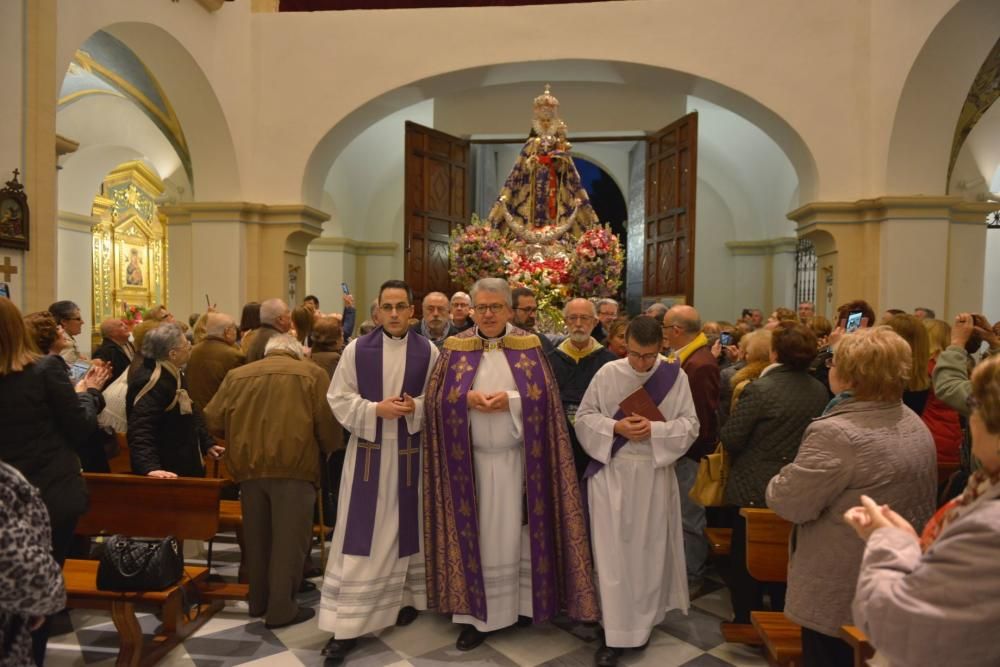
[
  {"x": 395, "y": 407},
  {"x": 97, "y": 376},
  {"x": 870, "y": 516},
  {"x": 496, "y": 401},
  {"x": 634, "y": 427}
]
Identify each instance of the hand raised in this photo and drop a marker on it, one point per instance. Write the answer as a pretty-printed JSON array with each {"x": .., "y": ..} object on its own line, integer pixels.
[{"x": 962, "y": 331}]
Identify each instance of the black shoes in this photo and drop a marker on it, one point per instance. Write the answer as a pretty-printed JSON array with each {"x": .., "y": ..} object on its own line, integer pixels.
[
  {"x": 470, "y": 638},
  {"x": 303, "y": 615},
  {"x": 524, "y": 621},
  {"x": 338, "y": 649},
  {"x": 306, "y": 586},
  {"x": 607, "y": 656},
  {"x": 406, "y": 616}
]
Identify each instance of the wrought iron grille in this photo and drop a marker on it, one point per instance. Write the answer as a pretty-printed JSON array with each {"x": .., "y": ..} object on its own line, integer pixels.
[{"x": 805, "y": 272}]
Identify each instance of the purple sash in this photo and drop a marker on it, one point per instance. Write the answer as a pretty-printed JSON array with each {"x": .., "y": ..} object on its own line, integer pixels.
[
  {"x": 658, "y": 386},
  {"x": 529, "y": 377},
  {"x": 364, "y": 491}
]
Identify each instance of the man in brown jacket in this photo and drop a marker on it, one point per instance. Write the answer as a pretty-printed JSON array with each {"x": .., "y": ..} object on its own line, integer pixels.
[
  {"x": 212, "y": 358},
  {"x": 276, "y": 421}
]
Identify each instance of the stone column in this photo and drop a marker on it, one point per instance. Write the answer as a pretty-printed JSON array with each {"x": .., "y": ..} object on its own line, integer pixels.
[
  {"x": 237, "y": 252},
  {"x": 899, "y": 252}
]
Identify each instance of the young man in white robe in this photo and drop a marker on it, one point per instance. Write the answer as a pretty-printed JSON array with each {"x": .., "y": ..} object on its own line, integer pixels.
[
  {"x": 375, "y": 575},
  {"x": 635, "y": 518}
]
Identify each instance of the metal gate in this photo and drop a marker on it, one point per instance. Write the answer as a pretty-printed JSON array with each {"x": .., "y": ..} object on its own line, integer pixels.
[{"x": 805, "y": 272}]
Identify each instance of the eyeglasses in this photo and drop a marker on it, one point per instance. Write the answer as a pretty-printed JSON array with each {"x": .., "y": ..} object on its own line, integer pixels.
[
  {"x": 75, "y": 319},
  {"x": 495, "y": 308},
  {"x": 528, "y": 311},
  {"x": 399, "y": 307},
  {"x": 579, "y": 318},
  {"x": 650, "y": 356}
]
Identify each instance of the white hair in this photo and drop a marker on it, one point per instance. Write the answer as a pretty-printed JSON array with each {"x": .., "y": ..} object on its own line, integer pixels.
[
  {"x": 593, "y": 309},
  {"x": 271, "y": 310},
  {"x": 158, "y": 341},
  {"x": 494, "y": 285},
  {"x": 217, "y": 323},
  {"x": 284, "y": 343},
  {"x": 461, "y": 295},
  {"x": 607, "y": 302}
]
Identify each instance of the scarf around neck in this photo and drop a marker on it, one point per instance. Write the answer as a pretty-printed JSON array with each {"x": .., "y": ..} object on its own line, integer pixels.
[{"x": 181, "y": 397}]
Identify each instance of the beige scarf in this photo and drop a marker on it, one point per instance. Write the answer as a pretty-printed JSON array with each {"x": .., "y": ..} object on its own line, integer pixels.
[{"x": 181, "y": 397}]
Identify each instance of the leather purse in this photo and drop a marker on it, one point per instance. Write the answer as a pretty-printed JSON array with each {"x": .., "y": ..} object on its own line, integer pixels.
[
  {"x": 138, "y": 564},
  {"x": 710, "y": 484}
]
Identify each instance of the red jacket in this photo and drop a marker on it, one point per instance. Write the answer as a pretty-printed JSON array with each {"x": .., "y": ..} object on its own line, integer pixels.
[
  {"x": 944, "y": 425},
  {"x": 703, "y": 375}
]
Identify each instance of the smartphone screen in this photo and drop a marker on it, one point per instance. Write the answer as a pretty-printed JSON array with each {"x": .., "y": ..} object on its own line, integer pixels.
[
  {"x": 344, "y": 287},
  {"x": 725, "y": 339},
  {"x": 853, "y": 321}
]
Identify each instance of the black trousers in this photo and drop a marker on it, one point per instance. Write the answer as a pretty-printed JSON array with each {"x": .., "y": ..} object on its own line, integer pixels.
[
  {"x": 62, "y": 541},
  {"x": 819, "y": 650}
]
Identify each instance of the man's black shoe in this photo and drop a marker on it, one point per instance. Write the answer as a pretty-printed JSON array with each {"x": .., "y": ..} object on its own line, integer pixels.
[
  {"x": 303, "y": 615},
  {"x": 523, "y": 621},
  {"x": 306, "y": 586},
  {"x": 606, "y": 656},
  {"x": 339, "y": 648},
  {"x": 406, "y": 616},
  {"x": 470, "y": 638}
]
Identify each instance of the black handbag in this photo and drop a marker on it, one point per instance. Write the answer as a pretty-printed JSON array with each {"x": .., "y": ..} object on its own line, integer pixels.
[{"x": 137, "y": 564}]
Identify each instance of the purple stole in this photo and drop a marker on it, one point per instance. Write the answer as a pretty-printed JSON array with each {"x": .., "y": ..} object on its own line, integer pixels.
[
  {"x": 658, "y": 386},
  {"x": 530, "y": 380},
  {"x": 364, "y": 491}
]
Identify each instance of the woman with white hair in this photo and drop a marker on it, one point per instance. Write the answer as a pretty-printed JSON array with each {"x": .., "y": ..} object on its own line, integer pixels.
[{"x": 166, "y": 438}]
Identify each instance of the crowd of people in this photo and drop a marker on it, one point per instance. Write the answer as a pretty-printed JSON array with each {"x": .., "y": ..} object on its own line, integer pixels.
[{"x": 481, "y": 468}]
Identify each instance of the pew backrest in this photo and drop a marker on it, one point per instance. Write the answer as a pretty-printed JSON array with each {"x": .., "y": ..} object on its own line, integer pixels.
[{"x": 767, "y": 544}]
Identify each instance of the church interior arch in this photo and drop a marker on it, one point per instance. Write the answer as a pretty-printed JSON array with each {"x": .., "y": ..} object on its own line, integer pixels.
[{"x": 757, "y": 172}]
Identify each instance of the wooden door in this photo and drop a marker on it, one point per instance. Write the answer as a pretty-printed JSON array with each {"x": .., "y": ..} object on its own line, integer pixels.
[
  {"x": 438, "y": 198},
  {"x": 671, "y": 184}
]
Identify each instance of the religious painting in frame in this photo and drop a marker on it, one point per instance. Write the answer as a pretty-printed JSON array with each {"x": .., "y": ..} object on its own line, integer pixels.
[
  {"x": 14, "y": 227},
  {"x": 129, "y": 243}
]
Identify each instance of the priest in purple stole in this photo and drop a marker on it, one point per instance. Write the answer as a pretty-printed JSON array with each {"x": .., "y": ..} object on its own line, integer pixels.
[
  {"x": 633, "y": 495},
  {"x": 375, "y": 575},
  {"x": 504, "y": 529}
]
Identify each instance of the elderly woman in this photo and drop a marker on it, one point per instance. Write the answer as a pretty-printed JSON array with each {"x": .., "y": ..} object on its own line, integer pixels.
[
  {"x": 616, "y": 337},
  {"x": 166, "y": 438},
  {"x": 763, "y": 434},
  {"x": 933, "y": 600},
  {"x": 753, "y": 356},
  {"x": 866, "y": 442}
]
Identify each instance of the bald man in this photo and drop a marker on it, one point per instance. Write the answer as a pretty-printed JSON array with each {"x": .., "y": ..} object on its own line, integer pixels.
[
  {"x": 115, "y": 348},
  {"x": 682, "y": 333},
  {"x": 436, "y": 324},
  {"x": 212, "y": 358}
]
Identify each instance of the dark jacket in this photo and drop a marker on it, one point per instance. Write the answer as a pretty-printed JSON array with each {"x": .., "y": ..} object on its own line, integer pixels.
[
  {"x": 210, "y": 360},
  {"x": 702, "y": 370},
  {"x": 259, "y": 343},
  {"x": 451, "y": 331},
  {"x": 113, "y": 353},
  {"x": 158, "y": 439},
  {"x": 573, "y": 378},
  {"x": 765, "y": 428},
  {"x": 43, "y": 420}
]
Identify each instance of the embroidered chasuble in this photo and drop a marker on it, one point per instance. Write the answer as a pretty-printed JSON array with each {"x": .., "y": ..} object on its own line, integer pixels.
[
  {"x": 376, "y": 565},
  {"x": 633, "y": 498},
  {"x": 487, "y": 559}
]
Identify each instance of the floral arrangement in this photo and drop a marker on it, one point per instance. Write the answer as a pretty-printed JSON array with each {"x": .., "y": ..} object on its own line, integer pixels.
[
  {"x": 477, "y": 251},
  {"x": 131, "y": 314},
  {"x": 597, "y": 264}
]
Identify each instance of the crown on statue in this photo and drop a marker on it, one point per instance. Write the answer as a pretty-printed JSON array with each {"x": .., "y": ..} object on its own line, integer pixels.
[{"x": 546, "y": 114}]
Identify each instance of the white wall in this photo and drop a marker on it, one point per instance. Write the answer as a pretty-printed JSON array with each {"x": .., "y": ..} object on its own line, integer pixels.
[
  {"x": 12, "y": 66},
  {"x": 74, "y": 283},
  {"x": 991, "y": 276}
]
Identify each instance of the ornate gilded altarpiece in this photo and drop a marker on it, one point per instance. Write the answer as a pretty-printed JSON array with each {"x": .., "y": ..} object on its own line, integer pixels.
[{"x": 129, "y": 243}]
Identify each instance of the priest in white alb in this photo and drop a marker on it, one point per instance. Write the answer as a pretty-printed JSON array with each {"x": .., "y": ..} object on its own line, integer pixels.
[
  {"x": 635, "y": 421},
  {"x": 375, "y": 576}
]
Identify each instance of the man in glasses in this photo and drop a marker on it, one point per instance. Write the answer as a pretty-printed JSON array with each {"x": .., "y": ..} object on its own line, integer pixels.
[
  {"x": 574, "y": 363},
  {"x": 436, "y": 324},
  {"x": 635, "y": 516},
  {"x": 375, "y": 574},
  {"x": 682, "y": 332},
  {"x": 499, "y": 485},
  {"x": 525, "y": 308}
]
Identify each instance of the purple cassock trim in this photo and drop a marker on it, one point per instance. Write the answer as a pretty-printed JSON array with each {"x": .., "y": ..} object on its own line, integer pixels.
[
  {"x": 657, "y": 386},
  {"x": 525, "y": 365},
  {"x": 364, "y": 491}
]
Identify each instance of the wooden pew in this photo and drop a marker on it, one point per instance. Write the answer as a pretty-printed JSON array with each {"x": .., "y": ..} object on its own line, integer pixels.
[
  {"x": 186, "y": 508},
  {"x": 863, "y": 650},
  {"x": 767, "y": 560},
  {"x": 720, "y": 541}
]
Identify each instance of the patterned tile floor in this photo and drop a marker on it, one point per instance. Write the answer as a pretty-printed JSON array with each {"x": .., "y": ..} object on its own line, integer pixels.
[{"x": 88, "y": 638}]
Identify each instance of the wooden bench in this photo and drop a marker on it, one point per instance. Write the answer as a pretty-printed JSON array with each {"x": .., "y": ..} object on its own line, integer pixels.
[
  {"x": 767, "y": 560},
  {"x": 186, "y": 508},
  {"x": 863, "y": 650},
  {"x": 720, "y": 541}
]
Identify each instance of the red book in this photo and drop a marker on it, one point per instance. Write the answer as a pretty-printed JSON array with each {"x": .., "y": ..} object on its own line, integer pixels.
[{"x": 641, "y": 403}]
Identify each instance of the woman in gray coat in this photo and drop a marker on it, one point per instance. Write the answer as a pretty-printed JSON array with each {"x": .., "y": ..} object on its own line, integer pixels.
[
  {"x": 933, "y": 600},
  {"x": 866, "y": 442}
]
